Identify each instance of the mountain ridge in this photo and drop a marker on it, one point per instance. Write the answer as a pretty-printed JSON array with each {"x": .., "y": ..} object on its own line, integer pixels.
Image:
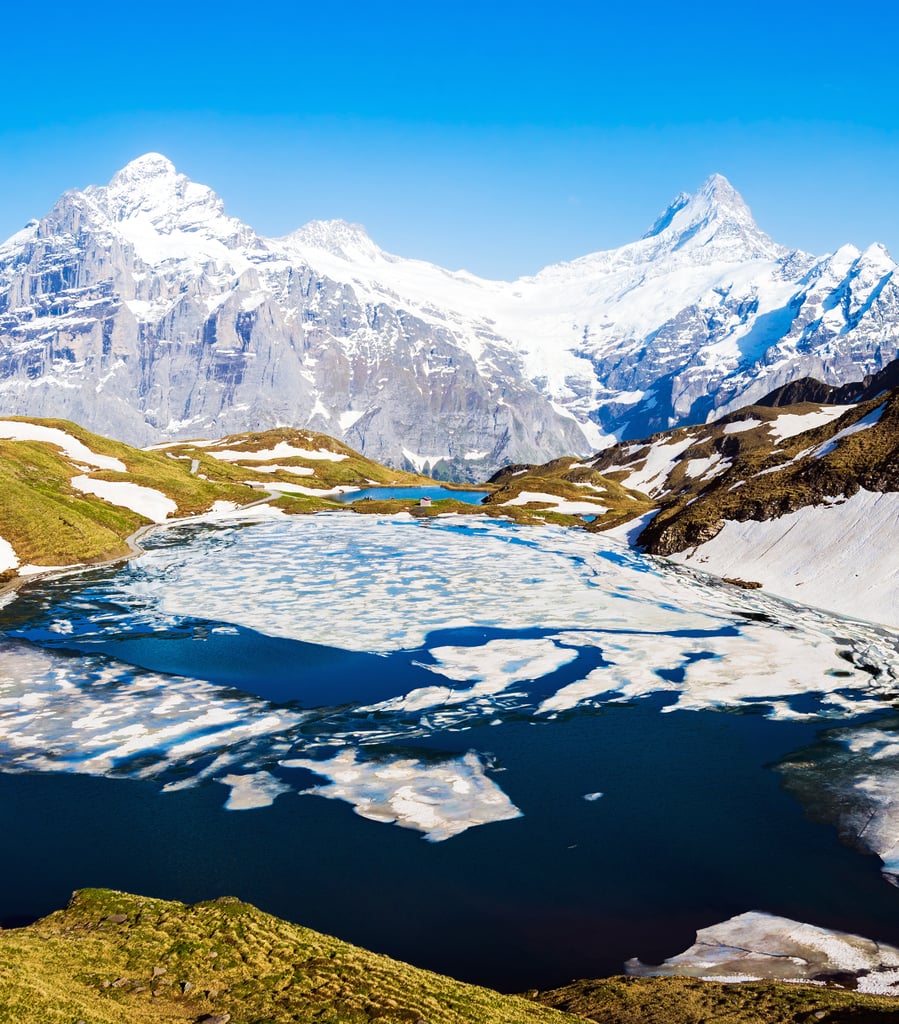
[{"x": 142, "y": 309}]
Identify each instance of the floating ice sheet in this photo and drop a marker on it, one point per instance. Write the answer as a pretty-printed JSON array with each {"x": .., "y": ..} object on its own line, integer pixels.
[
  {"x": 757, "y": 946},
  {"x": 440, "y": 799},
  {"x": 96, "y": 716},
  {"x": 491, "y": 667},
  {"x": 851, "y": 779},
  {"x": 388, "y": 584}
]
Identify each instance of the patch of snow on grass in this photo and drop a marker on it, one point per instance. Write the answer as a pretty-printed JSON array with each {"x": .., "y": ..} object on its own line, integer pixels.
[
  {"x": 282, "y": 450},
  {"x": 296, "y": 470},
  {"x": 146, "y": 501},
  {"x": 561, "y": 505},
  {"x": 863, "y": 424},
  {"x": 655, "y": 471},
  {"x": 8, "y": 558},
  {"x": 740, "y": 425},
  {"x": 790, "y": 424},
  {"x": 696, "y": 468},
  {"x": 70, "y": 446}
]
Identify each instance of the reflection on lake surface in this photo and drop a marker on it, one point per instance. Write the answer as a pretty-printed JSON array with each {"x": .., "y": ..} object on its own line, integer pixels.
[{"x": 581, "y": 732}]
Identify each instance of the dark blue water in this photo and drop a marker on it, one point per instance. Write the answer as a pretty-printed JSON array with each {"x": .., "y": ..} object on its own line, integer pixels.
[
  {"x": 691, "y": 830},
  {"x": 414, "y": 493}
]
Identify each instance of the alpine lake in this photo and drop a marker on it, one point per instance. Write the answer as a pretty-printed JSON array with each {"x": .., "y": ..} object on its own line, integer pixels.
[{"x": 516, "y": 755}]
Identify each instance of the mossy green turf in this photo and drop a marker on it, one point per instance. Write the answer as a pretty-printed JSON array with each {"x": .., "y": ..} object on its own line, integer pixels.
[
  {"x": 570, "y": 480},
  {"x": 49, "y": 522},
  {"x": 691, "y": 1001},
  {"x": 111, "y": 957}
]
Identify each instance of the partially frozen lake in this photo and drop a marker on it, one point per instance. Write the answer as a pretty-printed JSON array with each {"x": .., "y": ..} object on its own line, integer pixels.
[{"x": 583, "y": 734}]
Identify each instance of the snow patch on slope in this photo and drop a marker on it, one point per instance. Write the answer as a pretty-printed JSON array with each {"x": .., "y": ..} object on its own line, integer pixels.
[
  {"x": 146, "y": 501},
  {"x": 8, "y": 557},
  {"x": 830, "y": 556},
  {"x": 790, "y": 424},
  {"x": 71, "y": 447}
]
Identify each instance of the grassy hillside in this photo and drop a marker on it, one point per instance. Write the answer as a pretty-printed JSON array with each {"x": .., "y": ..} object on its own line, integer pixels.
[
  {"x": 690, "y": 1001},
  {"x": 543, "y": 493},
  {"x": 49, "y": 521},
  {"x": 758, "y": 463},
  {"x": 110, "y": 957}
]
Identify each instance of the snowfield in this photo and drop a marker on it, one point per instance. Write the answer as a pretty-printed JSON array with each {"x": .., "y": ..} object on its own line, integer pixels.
[{"x": 842, "y": 556}]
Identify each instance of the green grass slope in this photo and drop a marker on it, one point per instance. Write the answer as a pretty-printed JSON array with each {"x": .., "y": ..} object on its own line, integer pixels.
[
  {"x": 570, "y": 480},
  {"x": 110, "y": 957},
  {"x": 691, "y": 1001},
  {"x": 48, "y": 521}
]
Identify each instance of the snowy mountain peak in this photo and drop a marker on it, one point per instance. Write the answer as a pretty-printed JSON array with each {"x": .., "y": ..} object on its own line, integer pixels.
[
  {"x": 150, "y": 165},
  {"x": 338, "y": 237},
  {"x": 715, "y": 220},
  {"x": 150, "y": 187}
]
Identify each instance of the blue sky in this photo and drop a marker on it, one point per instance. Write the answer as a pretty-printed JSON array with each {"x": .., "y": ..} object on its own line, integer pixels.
[{"x": 494, "y": 136}]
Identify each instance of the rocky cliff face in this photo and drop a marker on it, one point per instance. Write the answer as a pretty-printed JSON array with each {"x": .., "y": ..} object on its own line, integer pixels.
[{"x": 142, "y": 310}]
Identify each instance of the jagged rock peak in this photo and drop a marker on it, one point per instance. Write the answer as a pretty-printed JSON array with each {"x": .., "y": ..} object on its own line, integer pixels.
[{"x": 338, "y": 237}]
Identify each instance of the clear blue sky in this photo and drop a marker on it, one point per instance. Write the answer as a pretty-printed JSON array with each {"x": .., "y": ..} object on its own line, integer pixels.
[{"x": 496, "y": 136}]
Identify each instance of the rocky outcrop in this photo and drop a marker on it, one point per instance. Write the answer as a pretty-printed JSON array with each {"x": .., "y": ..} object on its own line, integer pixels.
[{"x": 810, "y": 390}]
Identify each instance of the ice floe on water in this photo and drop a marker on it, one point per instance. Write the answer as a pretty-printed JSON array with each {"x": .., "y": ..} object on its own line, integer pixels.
[
  {"x": 96, "y": 716},
  {"x": 754, "y": 946},
  {"x": 491, "y": 668},
  {"x": 440, "y": 799},
  {"x": 506, "y": 621},
  {"x": 758, "y": 665},
  {"x": 385, "y": 584},
  {"x": 258, "y": 789}
]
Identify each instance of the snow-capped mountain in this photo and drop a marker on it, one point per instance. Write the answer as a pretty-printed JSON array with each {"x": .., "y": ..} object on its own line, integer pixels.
[{"x": 142, "y": 310}]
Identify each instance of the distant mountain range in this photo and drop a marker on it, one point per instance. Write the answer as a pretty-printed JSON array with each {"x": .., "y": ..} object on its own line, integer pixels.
[{"x": 142, "y": 310}]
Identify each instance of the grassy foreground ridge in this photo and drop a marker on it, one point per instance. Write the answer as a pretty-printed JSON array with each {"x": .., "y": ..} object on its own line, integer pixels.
[{"x": 110, "y": 958}]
